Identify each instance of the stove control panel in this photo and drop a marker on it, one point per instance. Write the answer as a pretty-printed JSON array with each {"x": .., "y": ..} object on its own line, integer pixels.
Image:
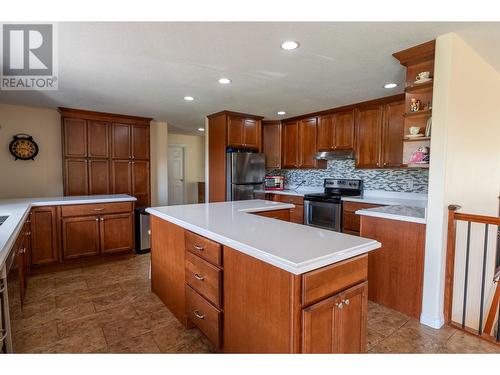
[{"x": 334, "y": 183}]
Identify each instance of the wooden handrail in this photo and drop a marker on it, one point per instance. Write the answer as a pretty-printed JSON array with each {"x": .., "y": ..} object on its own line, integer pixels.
[{"x": 477, "y": 218}]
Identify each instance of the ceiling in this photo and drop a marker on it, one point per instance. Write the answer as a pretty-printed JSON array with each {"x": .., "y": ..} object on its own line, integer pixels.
[{"x": 146, "y": 69}]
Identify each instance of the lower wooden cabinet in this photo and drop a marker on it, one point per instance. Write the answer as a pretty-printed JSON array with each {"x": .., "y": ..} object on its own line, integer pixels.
[
  {"x": 337, "y": 324},
  {"x": 115, "y": 233},
  {"x": 351, "y": 220},
  {"x": 44, "y": 235},
  {"x": 80, "y": 236}
]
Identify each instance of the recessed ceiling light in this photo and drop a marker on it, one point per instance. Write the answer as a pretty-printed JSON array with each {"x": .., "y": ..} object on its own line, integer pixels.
[
  {"x": 288, "y": 45},
  {"x": 224, "y": 81},
  {"x": 189, "y": 98},
  {"x": 390, "y": 85},
  {"x": 281, "y": 113},
  {"x": 201, "y": 129}
]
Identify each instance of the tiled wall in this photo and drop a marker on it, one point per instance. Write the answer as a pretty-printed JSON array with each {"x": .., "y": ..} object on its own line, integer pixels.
[{"x": 400, "y": 180}]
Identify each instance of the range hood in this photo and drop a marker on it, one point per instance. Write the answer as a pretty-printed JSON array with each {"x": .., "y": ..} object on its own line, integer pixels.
[{"x": 334, "y": 155}]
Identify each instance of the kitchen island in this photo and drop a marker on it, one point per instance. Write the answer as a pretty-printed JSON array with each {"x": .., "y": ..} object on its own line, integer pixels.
[{"x": 255, "y": 284}]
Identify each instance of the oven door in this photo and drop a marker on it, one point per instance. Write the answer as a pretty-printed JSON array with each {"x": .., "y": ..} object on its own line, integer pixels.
[{"x": 322, "y": 214}]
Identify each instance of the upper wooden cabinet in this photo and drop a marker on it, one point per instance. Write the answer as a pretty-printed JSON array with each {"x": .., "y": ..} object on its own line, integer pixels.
[
  {"x": 379, "y": 137},
  {"x": 299, "y": 144},
  {"x": 271, "y": 140},
  {"x": 336, "y": 131},
  {"x": 369, "y": 136},
  {"x": 99, "y": 149},
  {"x": 243, "y": 132}
]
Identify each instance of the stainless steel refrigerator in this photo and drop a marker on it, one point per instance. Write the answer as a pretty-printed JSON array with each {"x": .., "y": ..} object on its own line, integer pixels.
[{"x": 245, "y": 173}]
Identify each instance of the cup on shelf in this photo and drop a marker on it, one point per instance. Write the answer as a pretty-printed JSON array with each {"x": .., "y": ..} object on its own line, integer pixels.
[
  {"x": 414, "y": 130},
  {"x": 423, "y": 75}
]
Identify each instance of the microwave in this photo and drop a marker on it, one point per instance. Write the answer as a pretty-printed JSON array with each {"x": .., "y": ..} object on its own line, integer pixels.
[{"x": 274, "y": 183}]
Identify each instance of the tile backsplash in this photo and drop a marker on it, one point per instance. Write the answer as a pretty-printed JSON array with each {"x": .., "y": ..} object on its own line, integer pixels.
[{"x": 400, "y": 180}]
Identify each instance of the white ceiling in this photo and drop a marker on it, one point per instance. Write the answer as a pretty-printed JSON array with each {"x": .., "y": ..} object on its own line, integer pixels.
[{"x": 146, "y": 69}]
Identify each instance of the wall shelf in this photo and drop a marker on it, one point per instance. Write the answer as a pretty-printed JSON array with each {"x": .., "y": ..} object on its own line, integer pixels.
[
  {"x": 418, "y": 87},
  {"x": 417, "y": 166},
  {"x": 416, "y": 139},
  {"x": 426, "y": 112}
]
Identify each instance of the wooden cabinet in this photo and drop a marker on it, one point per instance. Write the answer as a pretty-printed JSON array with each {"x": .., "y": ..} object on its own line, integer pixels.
[
  {"x": 115, "y": 233},
  {"x": 275, "y": 214},
  {"x": 44, "y": 235},
  {"x": 290, "y": 134},
  {"x": 243, "y": 132},
  {"x": 296, "y": 213},
  {"x": 392, "y": 135},
  {"x": 74, "y": 137},
  {"x": 337, "y": 324},
  {"x": 96, "y": 229},
  {"x": 336, "y": 131},
  {"x": 369, "y": 136},
  {"x": 351, "y": 220},
  {"x": 271, "y": 140},
  {"x": 379, "y": 137},
  {"x": 80, "y": 236},
  {"x": 98, "y": 139},
  {"x": 99, "y": 149}
]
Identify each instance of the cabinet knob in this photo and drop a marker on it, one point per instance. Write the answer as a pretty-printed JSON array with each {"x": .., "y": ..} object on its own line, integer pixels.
[
  {"x": 339, "y": 304},
  {"x": 102, "y": 219},
  {"x": 345, "y": 302}
]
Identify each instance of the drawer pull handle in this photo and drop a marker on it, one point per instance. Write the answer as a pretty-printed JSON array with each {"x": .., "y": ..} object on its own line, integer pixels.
[
  {"x": 198, "y": 314},
  {"x": 98, "y": 209},
  {"x": 198, "y": 277},
  {"x": 198, "y": 247}
]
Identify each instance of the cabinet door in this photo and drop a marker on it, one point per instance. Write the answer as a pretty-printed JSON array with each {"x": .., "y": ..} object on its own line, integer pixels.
[
  {"x": 290, "y": 134},
  {"x": 27, "y": 245},
  {"x": 344, "y": 130},
  {"x": 98, "y": 176},
  {"x": 251, "y": 133},
  {"x": 235, "y": 130},
  {"x": 337, "y": 324},
  {"x": 320, "y": 330},
  {"x": 116, "y": 233},
  {"x": 368, "y": 137},
  {"x": 75, "y": 137},
  {"x": 392, "y": 135},
  {"x": 120, "y": 141},
  {"x": 44, "y": 236},
  {"x": 140, "y": 142},
  {"x": 121, "y": 177},
  {"x": 352, "y": 320},
  {"x": 140, "y": 182},
  {"x": 307, "y": 142},
  {"x": 98, "y": 139},
  {"x": 80, "y": 236},
  {"x": 326, "y": 133},
  {"x": 76, "y": 179},
  {"x": 272, "y": 145}
]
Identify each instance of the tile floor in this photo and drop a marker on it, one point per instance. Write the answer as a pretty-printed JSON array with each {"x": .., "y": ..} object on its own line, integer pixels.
[{"x": 109, "y": 308}]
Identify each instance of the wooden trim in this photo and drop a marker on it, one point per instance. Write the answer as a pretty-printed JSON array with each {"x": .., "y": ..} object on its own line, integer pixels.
[
  {"x": 231, "y": 113},
  {"x": 474, "y": 332},
  {"x": 102, "y": 116},
  {"x": 271, "y": 122},
  {"x": 492, "y": 312},
  {"x": 424, "y": 51},
  {"x": 450, "y": 263},
  {"x": 478, "y": 218},
  {"x": 378, "y": 101}
]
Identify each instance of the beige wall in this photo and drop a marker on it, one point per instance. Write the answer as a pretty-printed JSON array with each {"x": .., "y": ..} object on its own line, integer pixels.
[
  {"x": 465, "y": 166},
  {"x": 194, "y": 162},
  {"x": 38, "y": 178},
  {"x": 159, "y": 166}
]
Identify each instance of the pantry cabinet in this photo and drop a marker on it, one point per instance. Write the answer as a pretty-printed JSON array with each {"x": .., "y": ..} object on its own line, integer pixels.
[{"x": 98, "y": 152}]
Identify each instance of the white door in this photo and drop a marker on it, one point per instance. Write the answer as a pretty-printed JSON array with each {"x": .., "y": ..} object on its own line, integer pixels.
[{"x": 175, "y": 175}]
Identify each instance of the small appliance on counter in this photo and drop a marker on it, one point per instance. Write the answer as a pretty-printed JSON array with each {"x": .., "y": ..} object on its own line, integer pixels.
[
  {"x": 245, "y": 172},
  {"x": 274, "y": 183},
  {"x": 324, "y": 210}
]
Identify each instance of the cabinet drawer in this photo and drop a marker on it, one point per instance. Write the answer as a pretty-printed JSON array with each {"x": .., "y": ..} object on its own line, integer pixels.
[
  {"x": 95, "y": 209},
  {"x": 206, "y": 317},
  {"x": 204, "y": 278},
  {"x": 297, "y": 214},
  {"x": 293, "y": 199},
  {"x": 207, "y": 249},
  {"x": 276, "y": 214},
  {"x": 354, "y": 206},
  {"x": 329, "y": 280},
  {"x": 350, "y": 221}
]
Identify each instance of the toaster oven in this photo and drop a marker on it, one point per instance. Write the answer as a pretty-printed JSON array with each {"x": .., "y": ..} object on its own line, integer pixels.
[{"x": 274, "y": 183}]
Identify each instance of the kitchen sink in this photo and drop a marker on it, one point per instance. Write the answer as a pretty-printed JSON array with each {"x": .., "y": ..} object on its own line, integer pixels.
[{"x": 2, "y": 219}]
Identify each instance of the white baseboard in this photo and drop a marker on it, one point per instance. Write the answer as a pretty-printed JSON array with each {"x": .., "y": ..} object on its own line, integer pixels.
[{"x": 432, "y": 321}]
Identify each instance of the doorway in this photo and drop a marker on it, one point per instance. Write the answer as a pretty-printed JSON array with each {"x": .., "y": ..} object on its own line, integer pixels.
[{"x": 175, "y": 175}]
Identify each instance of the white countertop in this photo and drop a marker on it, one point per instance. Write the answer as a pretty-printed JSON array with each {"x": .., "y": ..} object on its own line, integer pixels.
[
  {"x": 18, "y": 209},
  {"x": 401, "y": 213},
  {"x": 390, "y": 198},
  {"x": 293, "y": 247}
]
